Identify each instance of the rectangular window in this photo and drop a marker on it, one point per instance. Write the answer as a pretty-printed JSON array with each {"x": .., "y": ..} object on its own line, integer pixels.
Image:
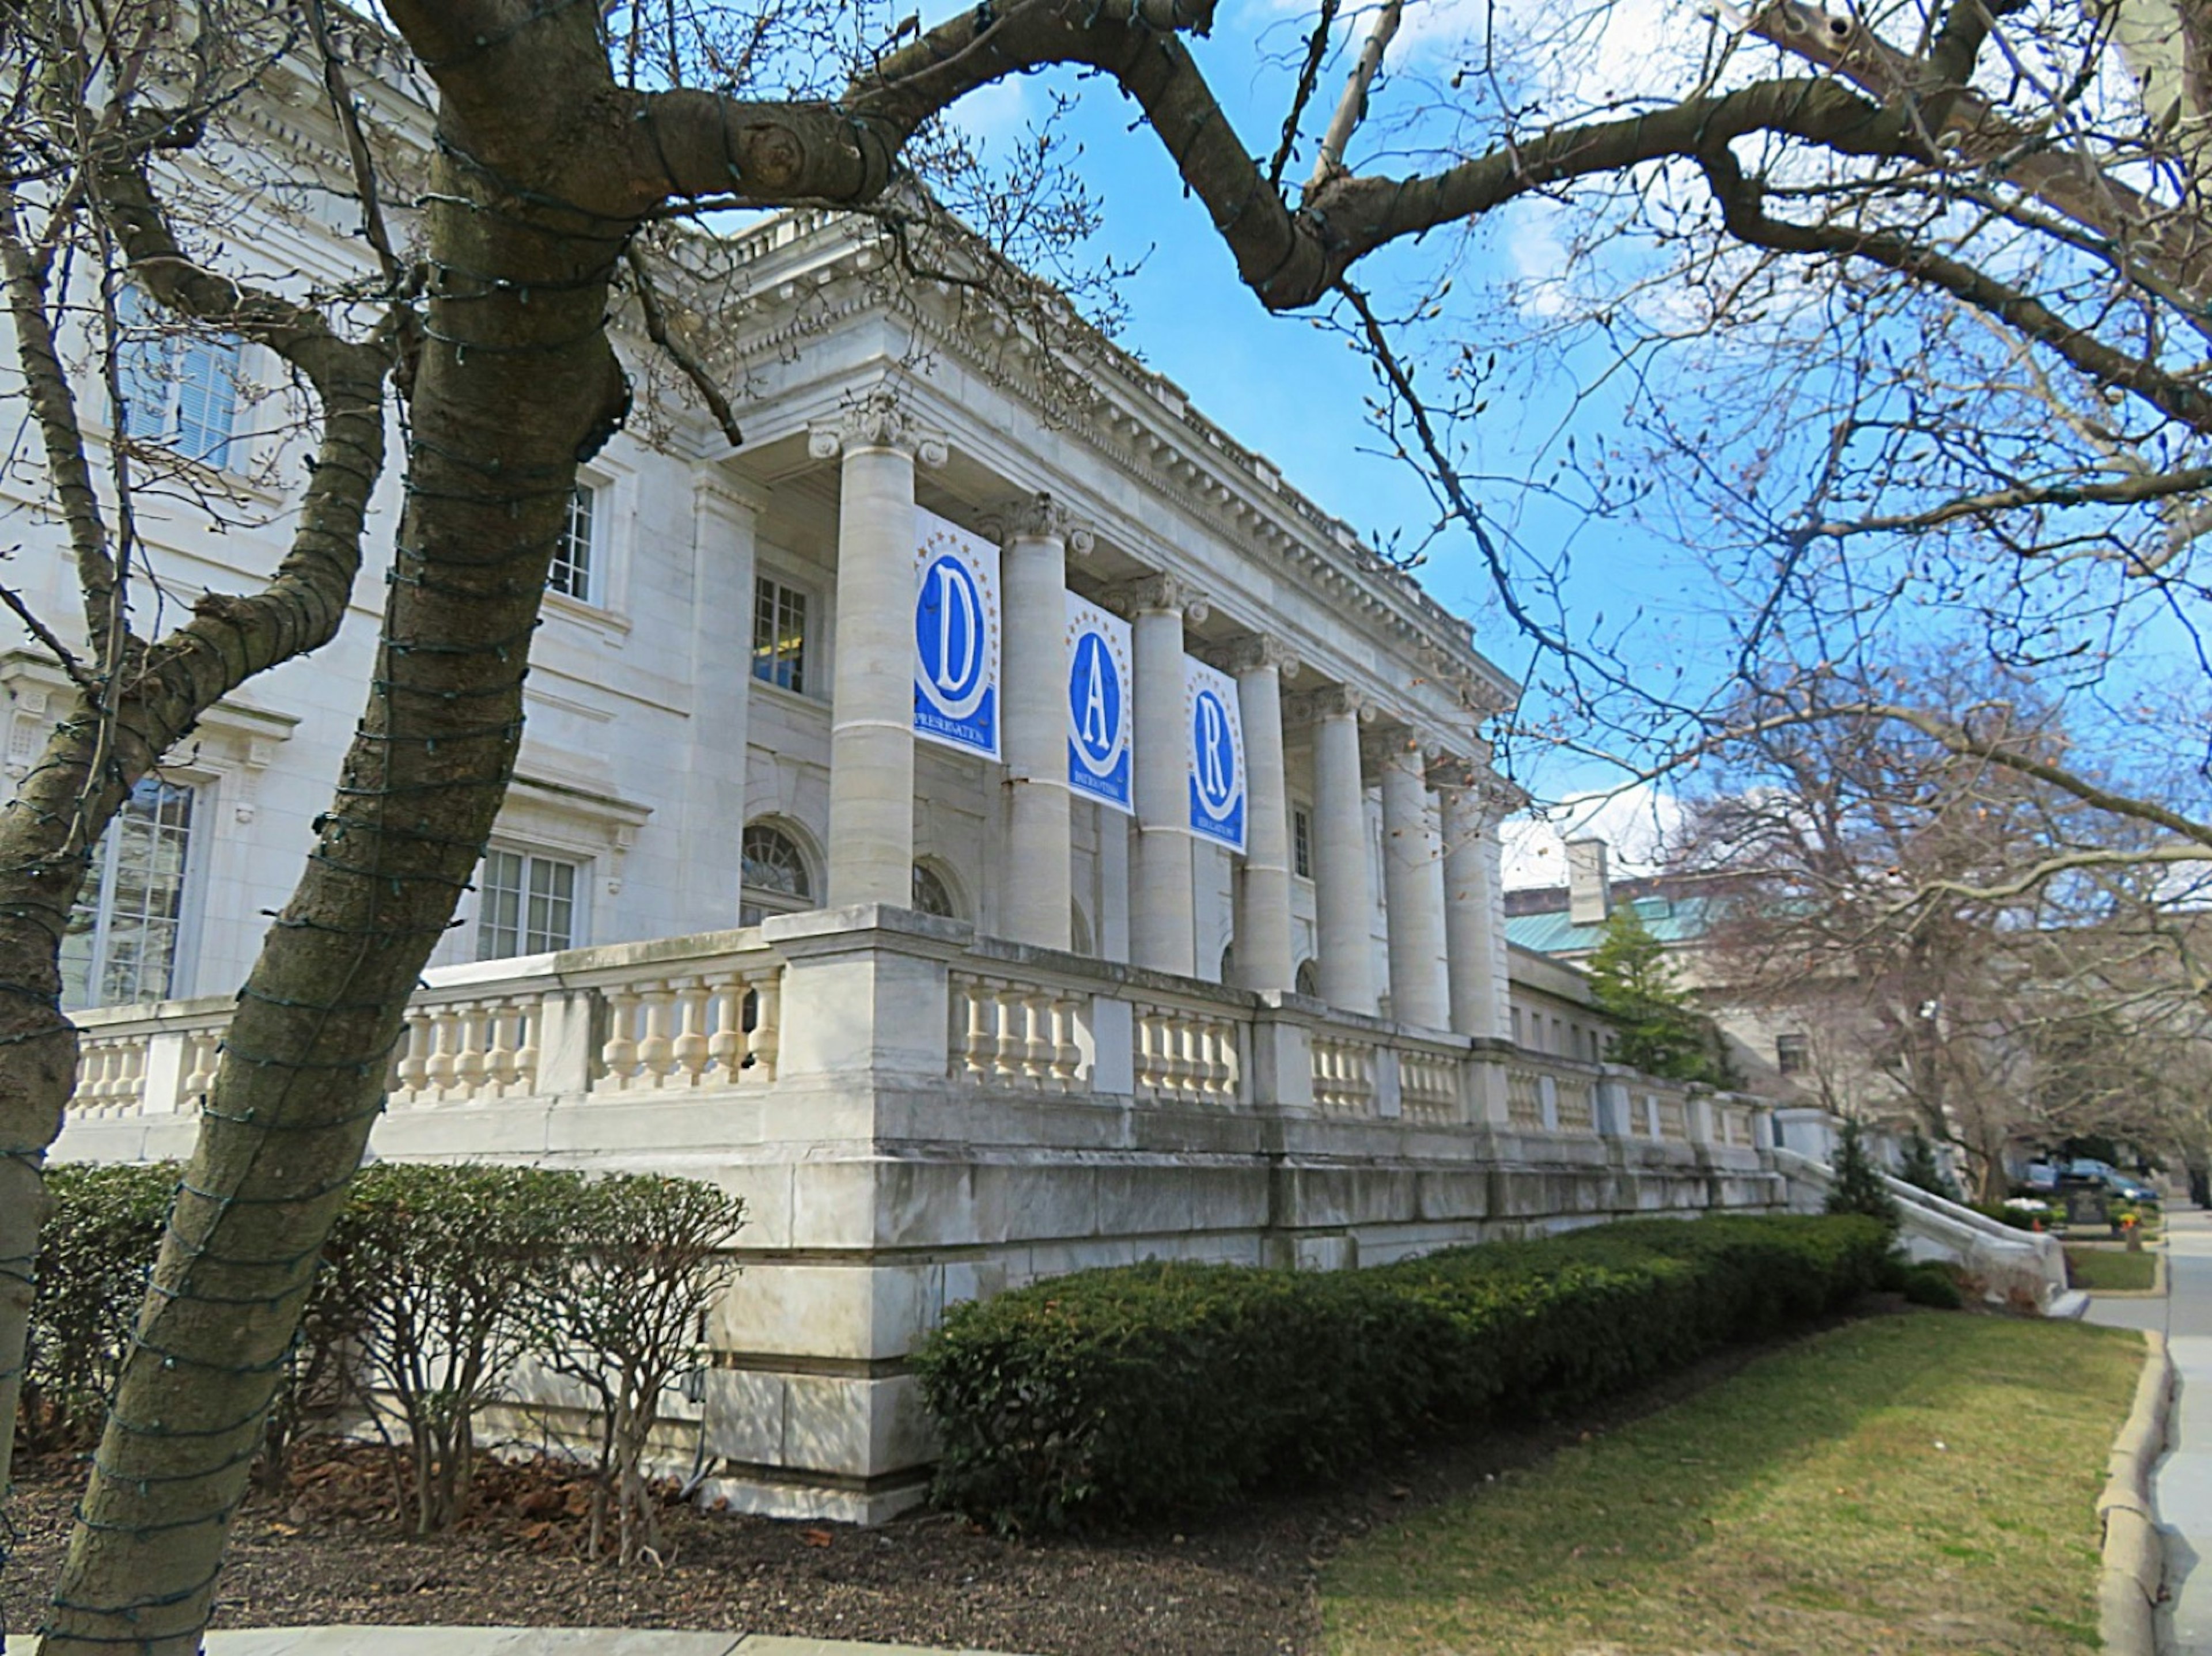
[
  {"x": 1792, "y": 1054},
  {"x": 525, "y": 904},
  {"x": 571, "y": 573},
  {"x": 779, "y": 634},
  {"x": 122, "y": 939},
  {"x": 178, "y": 389},
  {"x": 1301, "y": 842}
]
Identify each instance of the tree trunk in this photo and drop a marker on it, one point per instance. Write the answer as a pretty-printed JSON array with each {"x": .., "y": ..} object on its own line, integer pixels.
[{"x": 516, "y": 383}]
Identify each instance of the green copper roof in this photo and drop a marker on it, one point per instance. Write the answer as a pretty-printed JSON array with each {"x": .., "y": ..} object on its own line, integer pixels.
[{"x": 1671, "y": 920}]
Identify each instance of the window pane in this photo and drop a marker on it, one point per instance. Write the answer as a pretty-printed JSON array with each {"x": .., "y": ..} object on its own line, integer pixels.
[
  {"x": 779, "y": 634},
  {"x": 498, "y": 906},
  {"x": 122, "y": 937},
  {"x": 207, "y": 399},
  {"x": 571, "y": 572}
]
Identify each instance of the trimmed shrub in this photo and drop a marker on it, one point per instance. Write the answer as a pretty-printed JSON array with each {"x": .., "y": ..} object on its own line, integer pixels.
[
  {"x": 95, "y": 1253},
  {"x": 1934, "y": 1284},
  {"x": 1118, "y": 1394}
]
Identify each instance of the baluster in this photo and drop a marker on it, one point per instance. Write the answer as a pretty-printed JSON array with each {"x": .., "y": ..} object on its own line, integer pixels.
[
  {"x": 1010, "y": 1048},
  {"x": 619, "y": 1055},
  {"x": 524, "y": 1063},
  {"x": 1148, "y": 1080},
  {"x": 767, "y": 1032},
  {"x": 500, "y": 1018},
  {"x": 691, "y": 1046},
  {"x": 656, "y": 1050},
  {"x": 203, "y": 1047},
  {"x": 439, "y": 1070},
  {"x": 414, "y": 1067},
  {"x": 725, "y": 1045},
  {"x": 1066, "y": 1055},
  {"x": 977, "y": 1045},
  {"x": 1213, "y": 1037},
  {"x": 1038, "y": 1043},
  {"x": 469, "y": 1059}
]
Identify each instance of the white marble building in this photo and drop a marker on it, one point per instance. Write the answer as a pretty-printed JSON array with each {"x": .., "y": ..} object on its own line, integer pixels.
[{"x": 947, "y": 1022}]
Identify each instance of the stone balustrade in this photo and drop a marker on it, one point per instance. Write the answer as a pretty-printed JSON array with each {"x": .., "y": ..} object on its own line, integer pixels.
[{"x": 915, "y": 1115}]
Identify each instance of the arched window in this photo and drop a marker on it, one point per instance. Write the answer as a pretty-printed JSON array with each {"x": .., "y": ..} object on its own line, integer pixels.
[
  {"x": 932, "y": 895},
  {"x": 1309, "y": 978},
  {"x": 777, "y": 880},
  {"x": 1229, "y": 961},
  {"x": 1079, "y": 930}
]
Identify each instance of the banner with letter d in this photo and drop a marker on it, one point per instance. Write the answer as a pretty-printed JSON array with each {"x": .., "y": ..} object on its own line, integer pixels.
[
  {"x": 955, "y": 637},
  {"x": 1101, "y": 714},
  {"x": 1214, "y": 716}
]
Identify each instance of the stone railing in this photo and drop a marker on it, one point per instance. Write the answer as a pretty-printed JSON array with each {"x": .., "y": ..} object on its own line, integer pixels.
[
  {"x": 820, "y": 999},
  {"x": 1027, "y": 1037},
  {"x": 147, "y": 1060}
]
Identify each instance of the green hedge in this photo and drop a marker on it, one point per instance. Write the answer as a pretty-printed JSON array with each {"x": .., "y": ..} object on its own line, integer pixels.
[{"x": 1121, "y": 1393}]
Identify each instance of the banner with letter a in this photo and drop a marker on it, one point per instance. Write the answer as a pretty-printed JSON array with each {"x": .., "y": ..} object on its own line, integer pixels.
[
  {"x": 955, "y": 637},
  {"x": 1215, "y": 718},
  {"x": 1101, "y": 715}
]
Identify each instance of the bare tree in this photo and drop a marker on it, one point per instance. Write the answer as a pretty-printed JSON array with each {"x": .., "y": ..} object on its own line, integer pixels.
[
  {"x": 565, "y": 134},
  {"x": 85, "y": 236},
  {"x": 1877, "y": 903}
]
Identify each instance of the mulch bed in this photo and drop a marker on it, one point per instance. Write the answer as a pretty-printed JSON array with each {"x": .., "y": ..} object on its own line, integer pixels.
[{"x": 1239, "y": 1584}]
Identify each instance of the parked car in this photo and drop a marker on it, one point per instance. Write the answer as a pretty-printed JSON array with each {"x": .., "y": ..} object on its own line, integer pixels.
[{"x": 2124, "y": 1186}]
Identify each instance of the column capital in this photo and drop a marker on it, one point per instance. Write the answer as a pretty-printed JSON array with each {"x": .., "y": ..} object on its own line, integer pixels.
[
  {"x": 1492, "y": 798},
  {"x": 1037, "y": 517},
  {"x": 1157, "y": 591},
  {"x": 875, "y": 419},
  {"x": 1330, "y": 702},
  {"x": 1248, "y": 654},
  {"x": 1386, "y": 742}
]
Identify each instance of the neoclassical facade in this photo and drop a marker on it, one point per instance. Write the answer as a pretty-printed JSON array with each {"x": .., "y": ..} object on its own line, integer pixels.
[{"x": 950, "y": 1017}]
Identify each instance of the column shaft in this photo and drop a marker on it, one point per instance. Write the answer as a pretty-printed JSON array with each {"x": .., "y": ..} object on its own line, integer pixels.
[
  {"x": 713, "y": 808},
  {"x": 1263, "y": 886},
  {"x": 1413, "y": 893},
  {"x": 1474, "y": 916},
  {"x": 1344, "y": 889},
  {"x": 1161, "y": 936},
  {"x": 872, "y": 716},
  {"x": 1040, "y": 884}
]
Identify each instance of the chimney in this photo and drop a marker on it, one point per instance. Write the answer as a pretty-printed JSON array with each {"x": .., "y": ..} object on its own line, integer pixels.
[{"x": 1589, "y": 888}]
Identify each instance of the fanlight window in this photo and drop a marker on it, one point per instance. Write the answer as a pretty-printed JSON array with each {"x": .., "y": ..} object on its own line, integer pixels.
[
  {"x": 776, "y": 878},
  {"x": 931, "y": 894}
]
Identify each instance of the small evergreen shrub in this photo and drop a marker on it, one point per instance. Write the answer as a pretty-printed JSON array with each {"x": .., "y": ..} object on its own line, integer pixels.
[
  {"x": 1859, "y": 1187},
  {"x": 1934, "y": 1284},
  {"x": 95, "y": 1253},
  {"x": 1118, "y": 1394}
]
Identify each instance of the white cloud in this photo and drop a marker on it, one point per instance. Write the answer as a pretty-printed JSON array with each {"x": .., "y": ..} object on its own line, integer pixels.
[
  {"x": 1635, "y": 824},
  {"x": 999, "y": 110}
]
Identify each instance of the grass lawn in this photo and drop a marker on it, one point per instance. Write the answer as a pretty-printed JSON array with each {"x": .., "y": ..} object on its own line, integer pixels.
[
  {"x": 1904, "y": 1484},
  {"x": 2110, "y": 1269}
]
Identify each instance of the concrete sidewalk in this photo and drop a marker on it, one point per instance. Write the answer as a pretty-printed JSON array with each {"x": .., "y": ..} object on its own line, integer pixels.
[
  {"x": 516, "y": 1641},
  {"x": 2183, "y": 1485}
]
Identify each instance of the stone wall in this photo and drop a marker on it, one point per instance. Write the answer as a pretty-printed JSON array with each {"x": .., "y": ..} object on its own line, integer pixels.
[{"x": 915, "y": 1116}]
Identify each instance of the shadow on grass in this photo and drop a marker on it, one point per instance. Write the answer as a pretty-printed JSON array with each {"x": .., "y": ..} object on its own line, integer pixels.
[{"x": 1908, "y": 1484}]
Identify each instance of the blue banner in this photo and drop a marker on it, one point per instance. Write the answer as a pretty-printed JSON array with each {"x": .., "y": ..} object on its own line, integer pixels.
[
  {"x": 1101, "y": 714},
  {"x": 1214, "y": 716},
  {"x": 955, "y": 637}
]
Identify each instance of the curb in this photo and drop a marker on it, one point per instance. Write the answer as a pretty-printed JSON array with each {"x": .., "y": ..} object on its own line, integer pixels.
[{"x": 2134, "y": 1572}]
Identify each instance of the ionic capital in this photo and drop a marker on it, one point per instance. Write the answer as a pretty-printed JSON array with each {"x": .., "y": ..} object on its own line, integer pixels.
[
  {"x": 1250, "y": 654},
  {"x": 1037, "y": 517},
  {"x": 1149, "y": 594},
  {"x": 875, "y": 419},
  {"x": 1394, "y": 744},
  {"x": 1330, "y": 702}
]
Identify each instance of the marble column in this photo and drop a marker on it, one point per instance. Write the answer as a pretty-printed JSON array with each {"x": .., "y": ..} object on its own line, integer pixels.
[
  {"x": 1035, "y": 538},
  {"x": 1161, "y": 934},
  {"x": 725, "y": 513},
  {"x": 1413, "y": 883},
  {"x": 1344, "y": 886},
  {"x": 872, "y": 696},
  {"x": 1474, "y": 905},
  {"x": 1264, "y": 959}
]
